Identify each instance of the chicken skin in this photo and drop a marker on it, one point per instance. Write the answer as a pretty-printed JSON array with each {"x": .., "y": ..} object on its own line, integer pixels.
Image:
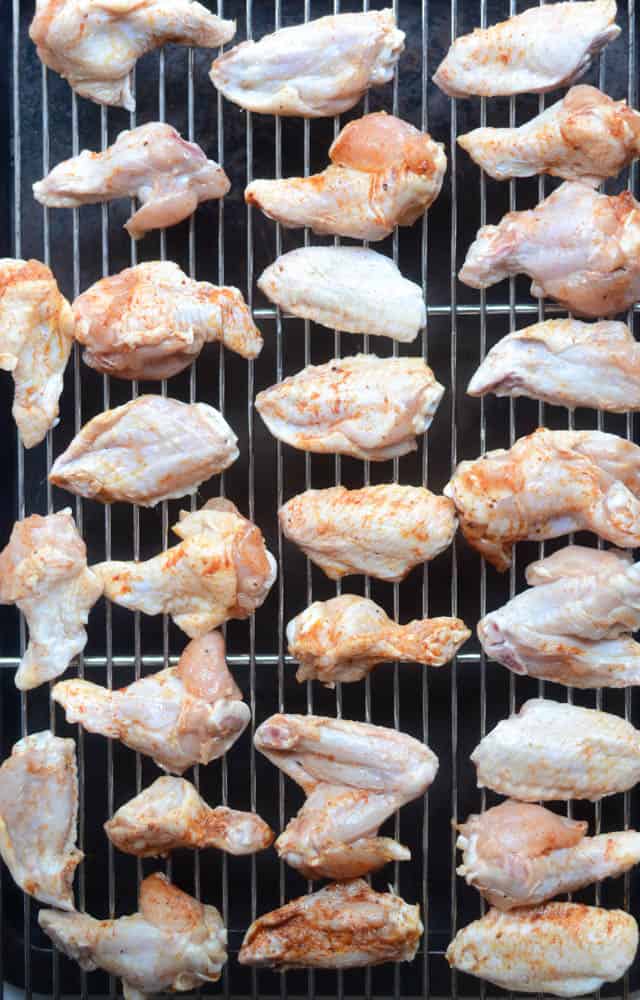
[
  {"x": 151, "y": 321},
  {"x": 148, "y": 450},
  {"x": 343, "y": 926},
  {"x": 38, "y": 817},
  {"x": 520, "y": 854},
  {"x": 184, "y": 715},
  {"x": 538, "y": 50},
  {"x": 153, "y": 163},
  {"x": 382, "y": 531},
  {"x": 368, "y": 407},
  {"x": 551, "y": 750},
  {"x": 170, "y": 814},
  {"x": 579, "y": 247},
  {"x": 43, "y": 570},
  {"x": 173, "y": 943},
  {"x": 355, "y": 776},
  {"x": 548, "y": 484},
  {"x": 221, "y": 569},
  {"x": 315, "y": 70},
  {"x": 36, "y": 336},
  {"x": 383, "y": 173},
  {"x": 585, "y": 137},
  {"x": 567, "y": 363},
  {"x": 346, "y": 288},
  {"x": 94, "y": 44},
  {"x": 565, "y": 949},
  {"x": 346, "y": 637}
]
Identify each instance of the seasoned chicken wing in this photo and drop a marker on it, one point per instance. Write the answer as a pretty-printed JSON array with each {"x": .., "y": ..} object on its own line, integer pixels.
[
  {"x": 578, "y": 247},
  {"x": 38, "y": 817},
  {"x": 565, "y": 949},
  {"x": 519, "y": 854},
  {"x": 43, "y": 570},
  {"x": 36, "y": 336},
  {"x": 548, "y": 484},
  {"x": 383, "y": 531},
  {"x": 540, "y": 49},
  {"x": 342, "y": 926},
  {"x": 355, "y": 776},
  {"x": 173, "y": 943},
  {"x": 170, "y": 813},
  {"x": 94, "y": 44},
  {"x": 344, "y": 638},
  {"x": 151, "y": 321},
  {"x": 221, "y": 569},
  {"x": 168, "y": 175},
  {"x": 317, "y": 69},
  {"x": 365, "y": 406},
  {"x": 148, "y": 450},
  {"x": 551, "y": 750},
  {"x": 346, "y": 288},
  {"x": 383, "y": 173},
  {"x": 184, "y": 715}
]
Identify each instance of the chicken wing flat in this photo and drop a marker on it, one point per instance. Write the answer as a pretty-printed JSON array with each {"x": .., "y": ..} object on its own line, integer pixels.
[
  {"x": 36, "y": 336},
  {"x": 184, "y": 715},
  {"x": 153, "y": 163},
  {"x": 315, "y": 70},
  {"x": 520, "y": 854},
  {"x": 346, "y": 288},
  {"x": 170, "y": 813},
  {"x": 94, "y": 44},
  {"x": 538, "y": 50},
  {"x": 578, "y": 247},
  {"x": 551, "y": 750},
  {"x": 383, "y": 173},
  {"x": 151, "y": 321},
  {"x": 567, "y": 363},
  {"x": 383, "y": 531},
  {"x": 346, "y": 637},
  {"x": 148, "y": 450},
  {"x": 342, "y": 926},
  {"x": 173, "y": 943},
  {"x": 43, "y": 570},
  {"x": 38, "y": 817},
  {"x": 565, "y": 949},
  {"x": 221, "y": 569},
  {"x": 548, "y": 484}
]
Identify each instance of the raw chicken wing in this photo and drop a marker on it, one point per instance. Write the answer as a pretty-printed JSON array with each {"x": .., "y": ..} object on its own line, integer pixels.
[
  {"x": 342, "y": 926},
  {"x": 169, "y": 176},
  {"x": 552, "y": 750},
  {"x": 43, "y": 570},
  {"x": 38, "y": 817},
  {"x": 184, "y": 715},
  {"x": 173, "y": 943},
  {"x": 317, "y": 69},
  {"x": 344, "y": 638},
  {"x": 519, "y": 854},
  {"x": 368, "y": 407},
  {"x": 383, "y": 173},
  {"x": 538, "y": 50},
  {"x": 170, "y": 814},
  {"x": 565, "y": 949},
  {"x": 151, "y": 321},
  {"x": 579, "y": 247},
  {"x": 94, "y": 44},
  {"x": 148, "y": 450},
  {"x": 221, "y": 569},
  {"x": 346, "y": 288},
  {"x": 36, "y": 336}
]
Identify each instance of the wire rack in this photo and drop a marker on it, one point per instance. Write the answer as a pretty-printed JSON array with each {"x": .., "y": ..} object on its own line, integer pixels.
[{"x": 227, "y": 242}]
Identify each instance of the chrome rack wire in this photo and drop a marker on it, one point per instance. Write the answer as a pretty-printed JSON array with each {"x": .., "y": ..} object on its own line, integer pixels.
[{"x": 228, "y": 241}]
